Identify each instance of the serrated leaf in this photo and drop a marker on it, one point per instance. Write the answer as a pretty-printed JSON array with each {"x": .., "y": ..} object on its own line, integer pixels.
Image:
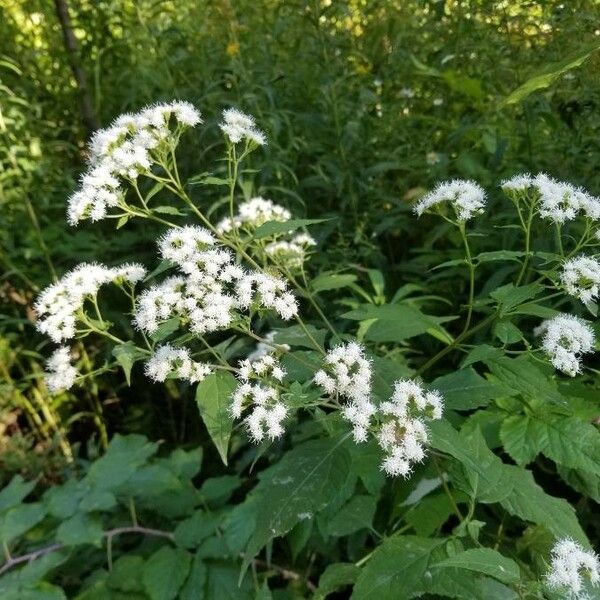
[
  {"x": 190, "y": 532},
  {"x": 486, "y": 257},
  {"x": 213, "y": 397},
  {"x": 332, "y": 281},
  {"x": 81, "y": 528},
  {"x": 528, "y": 501},
  {"x": 15, "y": 492},
  {"x": 356, "y": 514},
  {"x": 485, "y": 561},
  {"x": 168, "y": 210},
  {"x": 466, "y": 389},
  {"x": 17, "y": 520},
  {"x": 509, "y": 297},
  {"x": 297, "y": 487},
  {"x": 335, "y": 576},
  {"x": 194, "y": 586},
  {"x": 521, "y": 438},
  {"x": 164, "y": 572}
]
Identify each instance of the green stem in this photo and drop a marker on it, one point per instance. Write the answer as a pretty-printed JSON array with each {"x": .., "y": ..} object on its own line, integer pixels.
[
  {"x": 527, "y": 230},
  {"x": 471, "y": 267}
]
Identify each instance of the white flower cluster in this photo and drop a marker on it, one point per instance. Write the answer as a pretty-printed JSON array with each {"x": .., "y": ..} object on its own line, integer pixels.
[
  {"x": 559, "y": 201},
  {"x": 466, "y": 197},
  {"x": 254, "y": 213},
  {"x": 347, "y": 373},
  {"x": 267, "y": 346},
  {"x": 239, "y": 126},
  {"x": 58, "y": 304},
  {"x": 211, "y": 289},
  {"x": 61, "y": 374},
  {"x": 403, "y": 434},
  {"x": 168, "y": 360},
  {"x": 565, "y": 339},
  {"x": 292, "y": 253},
  {"x": 569, "y": 564},
  {"x": 581, "y": 278},
  {"x": 125, "y": 150},
  {"x": 257, "y": 394}
]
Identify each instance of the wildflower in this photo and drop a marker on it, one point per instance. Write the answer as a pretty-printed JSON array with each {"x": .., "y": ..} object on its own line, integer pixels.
[
  {"x": 238, "y": 126},
  {"x": 347, "y": 373},
  {"x": 562, "y": 202},
  {"x": 467, "y": 198},
  {"x": 254, "y": 213},
  {"x": 183, "y": 244},
  {"x": 581, "y": 278},
  {"x": 58, "y": 304},
  {"x": 168, "y": 360},
  {"x": 570, "y": 563},
  {"x": 61, "y": 373},
  {"x": 267, "y": 346},
  {"x": 566, "y": 338},
  {"x": 257, "y": 395},
  {"x": 517, "y": 183},
  {"x": 403, "y": 433},
  {"x": 293, "y": 253},
  {"x": 125, "y": 150}
]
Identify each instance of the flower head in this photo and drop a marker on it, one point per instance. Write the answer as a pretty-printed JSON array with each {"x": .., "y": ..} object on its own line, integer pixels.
[
  {"x": 238, "y": 126},
  {"x": 168, "y": 360},
  {"x": 581, "y": 278},
  {"x": 254, "y": 213},
  {"x": 466, "y": 197},
  {"x": 565, "y": 339},
  {"x": 61, "y": 374},
  {"x": 570, "y": 566},
  {"x": 518, "y": 183}
]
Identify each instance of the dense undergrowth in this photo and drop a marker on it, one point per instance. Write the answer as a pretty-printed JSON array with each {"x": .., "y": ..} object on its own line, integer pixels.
[{"x": 291, "y": 364}]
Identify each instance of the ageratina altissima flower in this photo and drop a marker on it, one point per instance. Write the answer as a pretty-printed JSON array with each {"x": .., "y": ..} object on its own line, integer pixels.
[
  {"x": 170, "y": 361},
  {"x": 257, "y": 395},
  {"x": 290, "y": 254},
  {"x": 581, "y": 277},
  {"x": 571, "y": 567},
  {"x": 402, "y": 433},
  {"x": 347, "y": 373},
  {"x": 560, "y": 201},
  {"x": 238, "y": 126},
  {"x": 466, "y": 197},
  {"x": 517, "y": 183},
  {"x": 254, "y": 213},
  {"x": 212, "y": 289},
  {"x": 566, "y": 338},
  {"x": 57, "y": 305},
  {"x": 124, "y": 151},
  {"x": 61, "y": 374}
]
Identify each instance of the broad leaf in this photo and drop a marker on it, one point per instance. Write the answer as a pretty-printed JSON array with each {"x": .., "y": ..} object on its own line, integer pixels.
[
  {"x": 279, "y": 227},
  {"x": 127, "y": 354},
  {"x": 213, "y": 397},
  {"x": 164, "y": 573}
]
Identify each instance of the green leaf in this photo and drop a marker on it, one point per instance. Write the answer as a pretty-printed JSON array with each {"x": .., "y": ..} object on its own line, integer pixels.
[
  {"x": 164, "y": 572},
  {"x": 296, "y": 488},
  {"x": 509, "y": 296},
  {"x": 295, "y": 336},
  {"x": 222, "y": 583},
  {"x": 127, "y": 354},
  {"x": 219, "y": 489},
  {"x": 81, "y": 528},
  {"x": 15, "y": 492},
  {"x": 125, "y": 574},
  {"x": 168, "y": 210},
  {"x": 332, "y": 281},
  {"x": 568, "y": 441},
  {"x": 190, "y": 532},
  {"x": 19, "y": 519},
  {"x": 278, "y": 227},
  {"x": 485, "y": 561},
  {"x": 336, "y": 576},
  {"x": 356, "y": 514},
  {"x": 193, "y": 588},
  {"x": 397, "y": 322},
  {"x": 213, "y": 397},
  {"x": 465, "y": 390},
  {"x": 429, "y": 513},
  {"x": 165, "y": 329},
  {"x": 528, "y": 501},
  {"x": 548, "y": 77},
  {"x": 496, "y": 255},
  {"x": 483, "y": 476}
]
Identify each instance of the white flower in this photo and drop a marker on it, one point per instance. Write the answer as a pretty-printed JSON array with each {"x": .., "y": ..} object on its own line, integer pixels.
[
  {"x": 566, "y": 338},
  {"x": 168, "y": 360},
  {"x": 124, "y": 150},
  {"x": 58, "y": 304},
  {"x": 254, "y": 213},
  {"x": 403, "y": 434},
  {"x": 581, "y": 278},
  {"x": 559, "y": 201},
  {"x": 238, "y": 126},
  {"x": 347, "y": 372},
  {"x": 570, "y": 564},
  {"x": 61, "y": 373},
  {"x": 265, "y": 367},
  {"x": 466, "y": 197},
  {"x": 183, "y": 244},
  {"x": 293, "y": 253},
  {"x": 518, "y": 183}
]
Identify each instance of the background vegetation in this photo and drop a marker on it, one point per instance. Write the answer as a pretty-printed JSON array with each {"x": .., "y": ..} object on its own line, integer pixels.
[{"x": 366, "y": 104}]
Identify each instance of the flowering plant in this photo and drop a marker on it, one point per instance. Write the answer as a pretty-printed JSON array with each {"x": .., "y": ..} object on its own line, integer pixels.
[{"x": 366, "y": 437}]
